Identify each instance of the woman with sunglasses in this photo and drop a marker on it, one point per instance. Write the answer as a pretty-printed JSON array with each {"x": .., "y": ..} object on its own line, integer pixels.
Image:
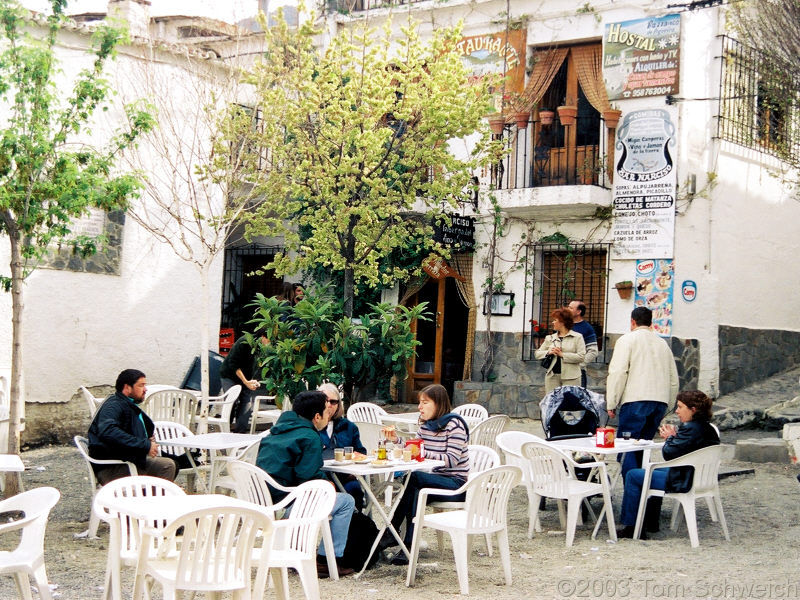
[{"x": 340, "y": 433}]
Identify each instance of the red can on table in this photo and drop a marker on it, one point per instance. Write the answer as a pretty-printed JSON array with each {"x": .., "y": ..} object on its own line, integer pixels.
[
  {"x": 419, "y": 444},
  {"x": 604, "y": 437}
]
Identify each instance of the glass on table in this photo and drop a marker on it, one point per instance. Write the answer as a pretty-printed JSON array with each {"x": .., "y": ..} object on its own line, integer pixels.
[
  {"x": 338, "y": 454},
  {"x": 626, "y": 435},
  {"x": 348, "y": 453}
]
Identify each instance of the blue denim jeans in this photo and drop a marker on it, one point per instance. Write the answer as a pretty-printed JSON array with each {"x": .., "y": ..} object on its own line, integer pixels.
[
  {"x": 407, "y": 508},
  {"x": 340, "y": 523},
  {"x": 634, "y": 481},
  {"x": 642, "y": 420}
]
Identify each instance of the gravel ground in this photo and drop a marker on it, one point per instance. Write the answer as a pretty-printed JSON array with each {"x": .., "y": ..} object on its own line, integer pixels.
[{"x": 760, "y": 561}]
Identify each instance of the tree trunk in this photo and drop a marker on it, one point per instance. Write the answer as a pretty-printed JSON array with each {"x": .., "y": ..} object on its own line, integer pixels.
[
  {"x": 202, "y": 426},
  {"x": 16, "y": 413},
  {"x": 349, "y": 272}
]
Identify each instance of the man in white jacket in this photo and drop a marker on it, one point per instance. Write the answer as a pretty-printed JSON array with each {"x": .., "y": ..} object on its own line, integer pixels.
[{"x": 642, "y": 381}]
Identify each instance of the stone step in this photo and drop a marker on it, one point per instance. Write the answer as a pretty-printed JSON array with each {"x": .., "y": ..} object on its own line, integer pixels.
[{"x": 762, "y": 450}]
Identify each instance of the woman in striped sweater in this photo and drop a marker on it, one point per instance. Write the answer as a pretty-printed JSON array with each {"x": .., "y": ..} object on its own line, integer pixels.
[{"x": 445, "y": 437}]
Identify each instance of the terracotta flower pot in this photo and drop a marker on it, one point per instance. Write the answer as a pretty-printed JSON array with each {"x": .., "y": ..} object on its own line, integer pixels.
[
  {"x": 611, "y": 117},
  {"x": 624, "y": 290},
  {"x": 546, "y": 117},
  {"x": 521, "y": 119},
  {"x": 567, "y": 114},
  {"x": 497, "y": 123}
]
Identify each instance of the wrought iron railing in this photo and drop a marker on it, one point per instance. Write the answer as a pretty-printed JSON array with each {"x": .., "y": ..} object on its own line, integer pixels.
[
  {"x": 348, "y": 6},
  {"x": 548, "y": 155}
]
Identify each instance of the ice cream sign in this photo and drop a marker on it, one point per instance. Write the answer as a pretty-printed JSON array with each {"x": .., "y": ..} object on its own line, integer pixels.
[
  {"x": 689, "y": 290},
  {"x": 645, "y": 267}
]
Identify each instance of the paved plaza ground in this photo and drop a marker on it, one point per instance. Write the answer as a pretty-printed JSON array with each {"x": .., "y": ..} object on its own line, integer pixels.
[{"x": 760, "y": 561}]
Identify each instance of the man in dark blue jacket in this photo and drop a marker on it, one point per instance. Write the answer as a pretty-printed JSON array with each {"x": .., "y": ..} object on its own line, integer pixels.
[{"x": 120, "y": 430}]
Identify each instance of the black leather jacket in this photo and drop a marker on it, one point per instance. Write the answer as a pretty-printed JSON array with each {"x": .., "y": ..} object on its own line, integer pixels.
[
  {"x": 117, "y": 433},
  {"x": 691, "y": 436}
]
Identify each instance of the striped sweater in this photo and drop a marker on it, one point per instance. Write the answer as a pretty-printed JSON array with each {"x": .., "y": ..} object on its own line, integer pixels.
[{"x": 446, "y": 439}]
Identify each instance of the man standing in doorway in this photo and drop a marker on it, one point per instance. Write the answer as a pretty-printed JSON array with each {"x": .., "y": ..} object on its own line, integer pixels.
[
  {"x": 642, "y": 381},
  {"x": 241, "y": 367},
  {"x": 578, "y": 309}
]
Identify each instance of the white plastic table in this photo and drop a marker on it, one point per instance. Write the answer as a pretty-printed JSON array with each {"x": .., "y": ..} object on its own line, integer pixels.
[
  {"x": 362, "y": 472},
  {"x": 213, "y": 442},
  {"x": 588, "y": 445}
]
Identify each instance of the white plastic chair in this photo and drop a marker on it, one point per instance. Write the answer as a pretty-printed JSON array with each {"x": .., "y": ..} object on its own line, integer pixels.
[
  {"x": 83, "y": 447},
  {"x": 481, "y": 458},
  {"x": 365, "y": 412},
  {"x": 224, "y": 405},
  {"x": 485, "y": 512},
  {"x": 485, "y": 433},
  {"x": 123, "y": 547},
  {"x": 92, "y": 401},
  {"x": 223, "y": 480},
  {"x": 169, "y": 430},
  {"x": 705, "y": 484},
  {"x": 27, "y": 559},
  {"x": 553, "y": 473},
  {"x": 208, "y": 550},
  {"x": 261, "y": 415},
  {"x": 510, "y": 444},
  {"x": 252, "y": 484},
  {"x": 178, "y": 406},
  {"x": 472, "y": 412}
]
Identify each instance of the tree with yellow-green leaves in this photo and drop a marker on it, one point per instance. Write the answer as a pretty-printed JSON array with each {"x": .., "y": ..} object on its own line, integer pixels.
[{"x": 358, "y": 138}]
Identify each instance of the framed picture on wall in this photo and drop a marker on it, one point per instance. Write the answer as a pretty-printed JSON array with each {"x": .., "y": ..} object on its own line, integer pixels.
[{"x": 500, "y": 304}]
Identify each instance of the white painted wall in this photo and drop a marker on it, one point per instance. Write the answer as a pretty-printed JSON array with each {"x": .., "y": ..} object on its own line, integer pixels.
[{"x": 83, "y": 329}]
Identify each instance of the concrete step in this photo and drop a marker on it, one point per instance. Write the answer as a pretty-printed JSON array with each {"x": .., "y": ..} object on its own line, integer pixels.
[{"x": 762, "y": 450}]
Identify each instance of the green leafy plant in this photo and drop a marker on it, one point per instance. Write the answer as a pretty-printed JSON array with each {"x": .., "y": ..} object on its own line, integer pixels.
[{"x": 314, "y": 341}]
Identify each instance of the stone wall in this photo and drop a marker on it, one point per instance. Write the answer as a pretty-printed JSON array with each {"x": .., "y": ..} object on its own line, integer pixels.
[
  {"x": 750, "y": 355},
  {"x": 519, "y": 384}
]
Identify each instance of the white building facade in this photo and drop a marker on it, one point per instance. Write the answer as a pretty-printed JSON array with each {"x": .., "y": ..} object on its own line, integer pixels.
[{"x": 680, "y": 197}]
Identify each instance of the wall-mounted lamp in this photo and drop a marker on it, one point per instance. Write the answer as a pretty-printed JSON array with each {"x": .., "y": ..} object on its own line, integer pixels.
[{"x": 691, "y": 184}]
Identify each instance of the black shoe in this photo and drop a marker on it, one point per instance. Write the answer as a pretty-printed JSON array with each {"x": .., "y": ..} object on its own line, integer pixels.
[
  {"x": 399, "y": 559},
  {"x": 387, "y": 541},
  {"x": 626, "y": 533},
  {"x": 323, "y": 572},
  {"x": 652, "y": 527}
]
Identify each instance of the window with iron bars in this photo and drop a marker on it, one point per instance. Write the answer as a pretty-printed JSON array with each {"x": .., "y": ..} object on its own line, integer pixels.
[
  {"x": 758, "y": 102},
  {"x": 557, "y": 274}
]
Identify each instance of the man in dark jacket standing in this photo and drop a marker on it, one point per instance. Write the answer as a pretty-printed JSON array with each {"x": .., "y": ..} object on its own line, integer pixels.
[
  {"x": 120, "y": 430},
  {"x": 292, "y": 454}
]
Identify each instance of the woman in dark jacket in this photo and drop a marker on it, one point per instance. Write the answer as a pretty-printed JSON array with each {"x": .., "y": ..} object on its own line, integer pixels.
[
  {"x": 695, "y": 432},
  {"x": 339, "y": 433}
]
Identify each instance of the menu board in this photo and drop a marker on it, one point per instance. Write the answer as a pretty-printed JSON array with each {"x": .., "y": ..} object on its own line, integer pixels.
[{"x": 644, "y": 186}]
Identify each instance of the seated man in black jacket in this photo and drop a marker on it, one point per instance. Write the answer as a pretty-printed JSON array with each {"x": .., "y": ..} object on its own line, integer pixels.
[{"x": 120, "y": 430}]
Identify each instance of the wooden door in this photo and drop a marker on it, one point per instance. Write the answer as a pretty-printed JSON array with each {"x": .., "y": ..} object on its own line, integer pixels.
[{"x": 440, "y": 355}]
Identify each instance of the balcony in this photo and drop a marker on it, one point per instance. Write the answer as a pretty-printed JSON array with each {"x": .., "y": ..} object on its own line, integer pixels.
[
  {"x": 349, "y": 6},
  {"x": 563, "y": 174}
]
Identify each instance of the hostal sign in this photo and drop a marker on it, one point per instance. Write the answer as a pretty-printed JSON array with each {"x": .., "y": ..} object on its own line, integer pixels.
[{"x": 458, "y": 235}]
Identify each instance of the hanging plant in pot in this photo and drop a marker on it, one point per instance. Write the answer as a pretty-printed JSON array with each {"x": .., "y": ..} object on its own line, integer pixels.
[
  {"x": 567, "y": 114},
  {"x": 546, "y": 116},
  {"x": 521, "y": 118},
  {"x": 497, "y": 123},
  {"x": 624, "y": 289},
  {"x": 612, "y": 117}
]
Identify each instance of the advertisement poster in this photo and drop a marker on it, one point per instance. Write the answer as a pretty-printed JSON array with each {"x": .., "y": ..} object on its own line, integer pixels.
[
  {"x": 641, "y": 58},
  {"x": 654, "y": 289},
  {"x": 644, "y": 186},
  {"x": 502, "y": 52}
]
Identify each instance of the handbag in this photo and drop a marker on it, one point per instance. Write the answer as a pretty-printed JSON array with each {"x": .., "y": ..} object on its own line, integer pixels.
[{"x": 548, "y": 361}]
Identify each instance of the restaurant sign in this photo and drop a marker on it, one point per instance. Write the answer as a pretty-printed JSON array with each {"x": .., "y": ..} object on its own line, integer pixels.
[
  {"x": 641, "y": 58},
  {"x": 458, "y": 235}
]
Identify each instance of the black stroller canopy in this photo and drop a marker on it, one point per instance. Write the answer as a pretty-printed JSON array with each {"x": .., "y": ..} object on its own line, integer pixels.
[{"x": 572, "y": 410}]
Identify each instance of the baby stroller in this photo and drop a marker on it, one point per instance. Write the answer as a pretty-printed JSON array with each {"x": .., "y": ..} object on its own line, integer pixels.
[{"x": 572, "y": 411}]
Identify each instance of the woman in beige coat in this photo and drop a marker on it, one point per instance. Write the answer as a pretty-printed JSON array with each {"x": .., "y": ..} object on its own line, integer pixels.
[{"x": 569, "y": 349}]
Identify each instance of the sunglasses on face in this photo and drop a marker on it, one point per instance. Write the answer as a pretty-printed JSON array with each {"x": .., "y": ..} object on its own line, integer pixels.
[{"x": 332, "y": 401}]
